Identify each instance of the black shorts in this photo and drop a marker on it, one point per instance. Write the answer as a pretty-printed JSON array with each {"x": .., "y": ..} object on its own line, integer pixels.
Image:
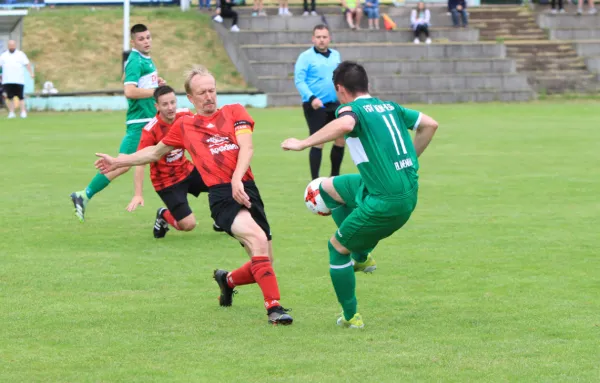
[
  {"x": 13, "y": 90},
  {"x": 175, "y": 196},
  {"x": 224, "y": 208},
  {"x": 316, "y": 119}
]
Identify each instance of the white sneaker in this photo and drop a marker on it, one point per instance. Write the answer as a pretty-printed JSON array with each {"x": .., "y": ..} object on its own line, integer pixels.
[
  {"x": 23, "y": 114},
  {"x": 262, "y": 13},
  {"x": 314, "y": 13},
  {"x": 417, "y": 41},
  {"x": 554, "y": 11},
  {"x": 579, "y": 11},
  {"x": 235, "y": 28},
  {"x": 11, "y": 115},
  {"x": 428, "y": 41},
  {"x": 218, "y": 19},
  {"x": 593, "y": 11},
  {"x": 562, "y": 11},
  {"x": 305, "y": 13},
  {"x": 286, "y": 12}
]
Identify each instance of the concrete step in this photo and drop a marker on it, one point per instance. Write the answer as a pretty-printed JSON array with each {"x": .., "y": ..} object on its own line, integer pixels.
[
  {"x": 534, "y": 63},
  {"x": 349, "y": 36},
  {"x": 588, "y": 48},
  {"x": 575, "y": 34},
  {"x": 397, "y": 50},
  {"x": 295, "y": 9},
  {"x": 429, "y": 82},
  {"x": 593, "y": 64},
  {"x": 561, "y": 21},
  {"x": 425, "y": 97},
  {"x": 393, "y": 66},
  {"x": 336, "y": 21}
]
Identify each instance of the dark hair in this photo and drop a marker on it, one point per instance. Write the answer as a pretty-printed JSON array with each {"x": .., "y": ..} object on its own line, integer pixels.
[
  {"x": 351, "y": 76},
  {"x": 320, "y": 27},
  {"x": 138, "y": 28},
  {"x": 161, "y": 91}
]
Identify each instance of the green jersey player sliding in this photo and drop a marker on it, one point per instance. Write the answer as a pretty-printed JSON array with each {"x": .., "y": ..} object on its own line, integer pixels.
[
  {"x": 141, "y": 79},
  {"x": 372, "y": 205}
]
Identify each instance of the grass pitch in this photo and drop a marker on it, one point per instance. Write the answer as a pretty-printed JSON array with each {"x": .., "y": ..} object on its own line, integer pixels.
[{"x": 495, "y": 278}]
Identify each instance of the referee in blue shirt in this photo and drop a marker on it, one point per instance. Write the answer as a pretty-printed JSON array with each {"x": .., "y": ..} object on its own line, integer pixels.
[{"x": 313, "y": 75}]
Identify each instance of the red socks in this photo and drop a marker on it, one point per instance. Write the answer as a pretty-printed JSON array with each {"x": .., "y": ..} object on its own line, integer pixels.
[
  {"x": 169, "y": 218},
  {"x": 263, "y": 273},
  {"x": 241, "y": 276},
  {"x": 257, "y": 270}
]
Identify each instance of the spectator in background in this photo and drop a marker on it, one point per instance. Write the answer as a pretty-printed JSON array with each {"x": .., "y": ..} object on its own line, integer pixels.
[
  {"x": 459, "y": 8},
  {"x": 592, "y": 10},
  {"x": 13, "y": 63},
  {"x": 313, "y": 11},
  {"x": 204, "y": 5},
  {"x": 352, "y": 12},
  {"x": 283, "y": 8},
  {"x": 225, "y": 11},
  {"x": 313, "y": 76},
  {"x": 257, "y": 8},
  {"x": 419, "y": 22},
  {"x": 560, "y": 6},
  {"x": 372, "y": 12}
]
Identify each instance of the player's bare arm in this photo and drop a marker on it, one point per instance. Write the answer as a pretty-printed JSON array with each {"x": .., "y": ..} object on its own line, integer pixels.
[
  {"x": 425, "y": 131},
  {"x": 133, "y": 92},
  {"x": 145, "y": 156},
  {"x": 335, "y": 129},
  {"x": 243, "y": 163},
  {"x": 138, "y": 187}
]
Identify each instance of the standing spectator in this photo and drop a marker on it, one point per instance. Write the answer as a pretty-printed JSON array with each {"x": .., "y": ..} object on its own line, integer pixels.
[
  {"x": 592, "y": 10},
  {"x": 313, "y": 11},
  {"x": 352, "y": 12},
  {"x": 372, "y": 12},
  {"x": 459, "y": 7},
  {"x": 419, "y": 21},
  {"x": 257, "y": 8},
  {"x": 12, "y": 62},
  {"x": 560, "y": 6},
  {"x": 225, "y": 11},
  {"x": 204, "y": 5},
  {"x": 313, "y": 76}
]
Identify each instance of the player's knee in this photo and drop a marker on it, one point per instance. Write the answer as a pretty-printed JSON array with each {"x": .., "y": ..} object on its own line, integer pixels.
[
  {"x": 327, "y": 185},
  {"x": 188, "y": 223},
  {"x": 257, "y": 242},
  {"x": 338, "y": 246}
]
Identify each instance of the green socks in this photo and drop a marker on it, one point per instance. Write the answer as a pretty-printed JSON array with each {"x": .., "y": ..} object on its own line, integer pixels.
[
  {"x": 99, "y": 182},
  {"x": 344, "y": 282}
]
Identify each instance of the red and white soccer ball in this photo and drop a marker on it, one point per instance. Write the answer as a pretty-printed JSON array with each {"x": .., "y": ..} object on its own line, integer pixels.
[{"x": 314, "y": 200}]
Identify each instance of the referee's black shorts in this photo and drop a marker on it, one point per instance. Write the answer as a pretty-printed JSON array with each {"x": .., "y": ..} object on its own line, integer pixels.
[
  {"x": 316, "y": 119},
  {"x": 13, "y": 90}
]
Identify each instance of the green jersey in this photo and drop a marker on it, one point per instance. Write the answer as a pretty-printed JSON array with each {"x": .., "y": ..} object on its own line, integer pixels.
[
  {"x": 381, "y": 146},
  {"x": 140, "y": 71}
]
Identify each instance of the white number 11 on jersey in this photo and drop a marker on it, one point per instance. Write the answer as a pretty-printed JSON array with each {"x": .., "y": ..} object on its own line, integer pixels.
[{"x": 389, "y": 126}]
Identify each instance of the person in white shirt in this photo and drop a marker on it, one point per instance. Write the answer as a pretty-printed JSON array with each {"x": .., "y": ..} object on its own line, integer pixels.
[{"x": 13, "y": 62}]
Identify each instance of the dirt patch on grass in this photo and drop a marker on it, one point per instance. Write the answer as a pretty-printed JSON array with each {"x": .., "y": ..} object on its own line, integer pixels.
[{"x": 80, "y": 49}]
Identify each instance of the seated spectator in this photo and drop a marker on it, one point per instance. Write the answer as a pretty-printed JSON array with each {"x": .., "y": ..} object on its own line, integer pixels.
[
  {"x": 372, "y": 12},
  {"x": 204, "y": 5},
  {"x": 352, "y": 12},
  {"x": 257, "y": 8},
  {"x": 591, "y": 10},
  {"x": 419, "y": 22},
  {"x": 225, "y": 11},
  {"x": 283, "y": 8},
  {"x": 459, "y": 7},
  {"x": 560, "y": 6},
  {"x": 313, "y": 10}
]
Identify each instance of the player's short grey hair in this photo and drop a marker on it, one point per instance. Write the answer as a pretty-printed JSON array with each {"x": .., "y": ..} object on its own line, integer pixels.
[{"x": 196, "y": 70}]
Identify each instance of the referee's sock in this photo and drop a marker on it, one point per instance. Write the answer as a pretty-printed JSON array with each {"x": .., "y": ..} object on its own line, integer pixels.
[
  {"x": 314, "y": 158},
  {"x": 337, "y": 155}
]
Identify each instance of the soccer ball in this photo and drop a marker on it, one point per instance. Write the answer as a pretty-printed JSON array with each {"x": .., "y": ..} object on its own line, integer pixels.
[{"x": 312, "y": 198}]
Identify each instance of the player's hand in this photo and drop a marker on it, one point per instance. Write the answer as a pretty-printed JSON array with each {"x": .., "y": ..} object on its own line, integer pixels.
[
  {"x": 292, "y": 144},
  {"x": 239, "y": 194},
  {"x": 136, "y": 201},
  {"x": 316, "y": 104},
  {"x": 161, "y": 81},
  {"x": 105, "y": 163}
]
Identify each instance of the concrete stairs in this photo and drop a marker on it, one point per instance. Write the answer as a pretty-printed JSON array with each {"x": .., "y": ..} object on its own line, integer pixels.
[{"x": 455, "y": 68}]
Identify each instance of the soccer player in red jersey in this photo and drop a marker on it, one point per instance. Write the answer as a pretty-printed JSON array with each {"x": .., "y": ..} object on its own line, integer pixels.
[
  {"x": 173, "y": 176},
  {"x": 220, "y": 143}
]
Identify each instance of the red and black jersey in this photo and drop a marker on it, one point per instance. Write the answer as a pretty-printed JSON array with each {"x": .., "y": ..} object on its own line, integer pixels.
[
  {"x": 212, "y": 142},
  {"x": 172, "y": 168}
]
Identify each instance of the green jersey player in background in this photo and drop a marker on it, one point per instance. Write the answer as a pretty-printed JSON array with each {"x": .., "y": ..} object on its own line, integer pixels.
[
  {"x": 372, "y": 205},
  {"x": 140, "y": 80}
]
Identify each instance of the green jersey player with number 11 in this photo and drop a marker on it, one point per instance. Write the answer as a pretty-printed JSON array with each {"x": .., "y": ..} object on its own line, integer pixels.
[
  {"x": 372, "y": 205},
  {"x": 141, "y": 78}
]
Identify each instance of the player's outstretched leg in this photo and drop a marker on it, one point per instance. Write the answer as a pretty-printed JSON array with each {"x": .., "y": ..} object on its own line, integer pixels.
[
  {"x": 344, "y": 188},
  {"x": 227, "y": 291},
  {"x": 80, "y": 201},
  {"x": 161, "y": 226}
]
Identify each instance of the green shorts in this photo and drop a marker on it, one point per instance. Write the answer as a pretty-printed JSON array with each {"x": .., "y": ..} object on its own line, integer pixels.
[
  {"x": 131, "y": 141},
  {"x": 373, "y": 218}
]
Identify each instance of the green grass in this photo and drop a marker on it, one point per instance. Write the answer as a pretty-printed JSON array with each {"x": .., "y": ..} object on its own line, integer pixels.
[{"x": 495, "y": 278}]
